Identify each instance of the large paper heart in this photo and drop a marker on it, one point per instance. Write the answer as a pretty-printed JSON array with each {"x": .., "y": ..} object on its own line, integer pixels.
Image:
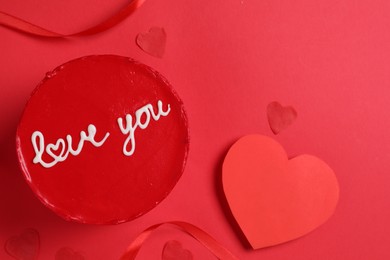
[
  {"x": 274, "y": 199},
  {"x": 173, "y": 250},
  {"x": 153, "y": 42},
  {"x": 103, "y": 139},
  {"x": 25, "y": 246},
  {"x": 280, "y": 117}
]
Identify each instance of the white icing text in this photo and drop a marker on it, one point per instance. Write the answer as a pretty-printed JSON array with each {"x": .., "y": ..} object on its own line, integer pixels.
[
  {"x": 129, "y": 128},
  {"x": 61, "y": 149}
]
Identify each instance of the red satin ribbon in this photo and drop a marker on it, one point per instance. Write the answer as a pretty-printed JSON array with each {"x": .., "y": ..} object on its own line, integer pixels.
[
  {"x": 204, "y": 238},
  {"x": 21, "y": 25}
]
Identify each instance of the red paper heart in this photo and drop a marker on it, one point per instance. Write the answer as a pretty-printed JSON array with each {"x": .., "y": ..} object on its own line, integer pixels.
[
  {"x": 67, "y": 253},
  {"x": 25, "y": 246},
  {"x": 173, "y": 250},
  {"x": 273, "y": 199},
  {"x": 279, "y": 117},
  {"x": 153, "y": 42},
  {"x": 125, "y": 135}
]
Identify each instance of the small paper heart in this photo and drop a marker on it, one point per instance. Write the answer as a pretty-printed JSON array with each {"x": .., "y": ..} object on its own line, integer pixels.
[
  {"x": 153, "y": 42},
  {"x": 25, "y": 246},
  {"x": 173, "y": 250},
  {"x": 280, "y": 117},
  {"x": 66, "y": 253}
]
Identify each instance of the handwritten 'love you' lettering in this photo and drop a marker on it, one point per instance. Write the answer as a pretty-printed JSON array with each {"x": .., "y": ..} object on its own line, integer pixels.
[{"x": 62, "y": 148}]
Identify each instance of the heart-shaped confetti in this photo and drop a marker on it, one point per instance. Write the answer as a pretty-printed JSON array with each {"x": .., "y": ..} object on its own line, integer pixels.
[
  {"x": 153, "y": 42},
  {"x": 25, "y": 246},
  {"x": 274, "y": 199},
  {"x": 280, "y": 117},
  {"x": 67, "y": 253},
  {"x": 173, "y": 250}
]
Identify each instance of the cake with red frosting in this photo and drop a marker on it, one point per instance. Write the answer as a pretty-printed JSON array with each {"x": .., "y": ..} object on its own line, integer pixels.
[{"x": 103, "y": 139}]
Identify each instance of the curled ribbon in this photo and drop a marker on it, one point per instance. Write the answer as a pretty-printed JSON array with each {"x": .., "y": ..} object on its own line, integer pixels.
[
  {"x": 21, "y": 25},
  {"x": 204, "y": 238}
]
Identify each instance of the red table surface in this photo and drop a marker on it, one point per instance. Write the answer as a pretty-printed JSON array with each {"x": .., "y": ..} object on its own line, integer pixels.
[{"x": 227, "y": 59}]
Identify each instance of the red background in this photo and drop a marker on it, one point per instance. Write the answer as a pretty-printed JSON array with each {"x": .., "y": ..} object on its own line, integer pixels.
[{"x": 227, "y": 60}]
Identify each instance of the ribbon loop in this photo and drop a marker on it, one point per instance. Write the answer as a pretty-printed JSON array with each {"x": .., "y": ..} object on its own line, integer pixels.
[
  {"x": 23, "y": 26},
  {"x": 204, "y": 238}
]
